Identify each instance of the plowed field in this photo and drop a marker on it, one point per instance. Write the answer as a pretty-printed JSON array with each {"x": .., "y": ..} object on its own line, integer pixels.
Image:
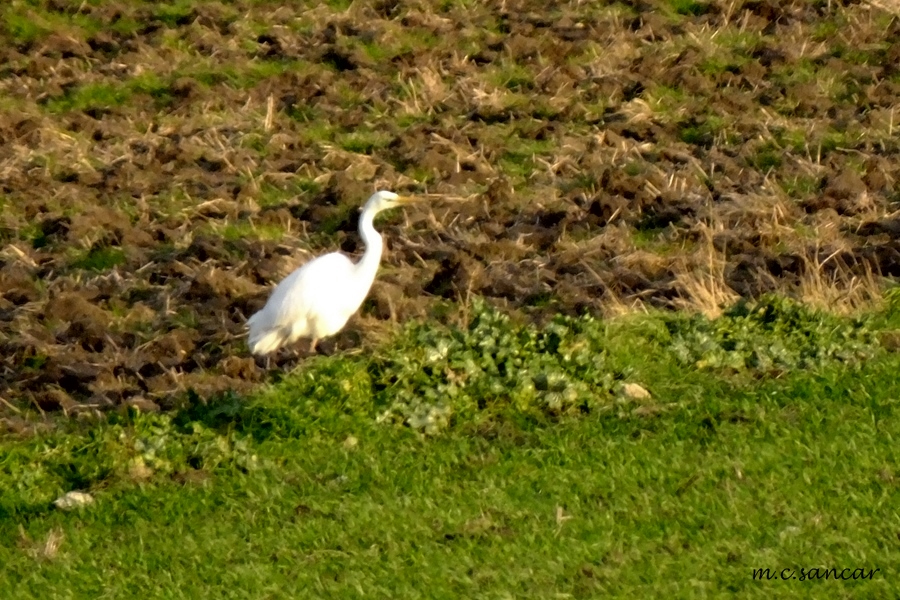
[{"x": 162, "y": 164}]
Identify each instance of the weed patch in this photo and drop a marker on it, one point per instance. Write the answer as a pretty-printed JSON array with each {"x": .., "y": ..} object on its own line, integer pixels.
[
  {"x": 774, "y": 335},
  {"x": 493, "y": 366}
]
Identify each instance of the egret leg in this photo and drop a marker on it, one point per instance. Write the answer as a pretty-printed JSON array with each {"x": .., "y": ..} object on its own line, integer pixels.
[{"x": 312, "y": 345}]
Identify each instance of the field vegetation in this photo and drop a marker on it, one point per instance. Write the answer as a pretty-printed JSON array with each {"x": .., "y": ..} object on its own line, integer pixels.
[{"x": 645, "y": 344}]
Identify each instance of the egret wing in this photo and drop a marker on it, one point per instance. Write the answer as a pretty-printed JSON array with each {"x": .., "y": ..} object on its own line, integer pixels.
[
  {"x": 308, "y": 290},
  {"x": 327, "y": 293}
]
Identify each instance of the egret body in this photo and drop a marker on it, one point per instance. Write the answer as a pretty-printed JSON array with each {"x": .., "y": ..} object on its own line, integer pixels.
[{"x": 318, "y": 299}]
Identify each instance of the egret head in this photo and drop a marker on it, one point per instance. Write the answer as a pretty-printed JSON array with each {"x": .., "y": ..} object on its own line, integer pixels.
[{"x": 384, "y": 200}]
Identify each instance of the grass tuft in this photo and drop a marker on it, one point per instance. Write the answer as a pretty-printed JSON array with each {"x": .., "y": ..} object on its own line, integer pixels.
[{"x": 100, "y": 259}]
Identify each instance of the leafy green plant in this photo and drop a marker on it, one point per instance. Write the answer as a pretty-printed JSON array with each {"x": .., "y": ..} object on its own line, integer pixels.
[
  {"x": 773, "y": 334},
  {"x": 492, "y": 365}
]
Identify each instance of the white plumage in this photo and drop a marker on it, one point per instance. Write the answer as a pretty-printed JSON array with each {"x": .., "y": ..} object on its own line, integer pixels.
[{"x": 318, "y": 299}]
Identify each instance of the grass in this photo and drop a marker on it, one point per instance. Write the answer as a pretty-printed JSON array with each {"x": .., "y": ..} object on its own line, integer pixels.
[
  {"x": 767, "y": 157},
  {"x": 478, "y": 453},
  {"x": 246, "y": 231},
  {"x": 100, "y": 259},
  {"x": 22, "y": 29},
  {"x": 688, "y": 7},
  {"x": 176, "y": 13},
  {"x": 364, "y": 141},
  {"x": 107, "y": 95},
  {"x": 301, "y": 490},
  {"x": 271, "y": 194},
  {"x": 800, "y": 186}
]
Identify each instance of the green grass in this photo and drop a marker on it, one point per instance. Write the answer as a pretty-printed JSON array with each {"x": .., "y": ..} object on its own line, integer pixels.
[
  {"x": 99, "y": 95},
  {"x": 702, "y": 132},
  {"x": 717, "y": 65},
  {"x": 364, "y": 140},
  {"x": 175, "y": 13},
  {"x": 688, "y": 7},
  {"x": 110, "y": 95},
  {"x": 518, "y": 158},
  {"x": 29, "y": 23},
  {"x": 512, "y": 76},
  {"x": 22, "y": 29},
  {"x": 323, "y": 486},
  {"x": 272, "y": 194},
  {"x": 767, "y": 157},
  {"x": 800, "y": 186},
  {"x": 241, "y": 231},
  {"x": 242, "y": 76},
  {"x": 106, "y": 95},
  {"x": 100, "y": 259}
]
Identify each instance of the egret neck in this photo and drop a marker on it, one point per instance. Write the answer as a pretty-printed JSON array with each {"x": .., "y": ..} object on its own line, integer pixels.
[{"x": 367, "y": 267}]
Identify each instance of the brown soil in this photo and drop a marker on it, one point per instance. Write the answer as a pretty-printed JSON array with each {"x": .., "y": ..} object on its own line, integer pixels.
[{"x": 149, "y": 196}]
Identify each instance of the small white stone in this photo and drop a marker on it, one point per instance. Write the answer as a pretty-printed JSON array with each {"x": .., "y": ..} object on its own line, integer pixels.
[
  {"x": 633, "y": 390},
  {"x": 73, "y": 500}
]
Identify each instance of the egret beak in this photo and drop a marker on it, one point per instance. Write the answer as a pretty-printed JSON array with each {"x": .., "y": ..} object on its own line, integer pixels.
[{"x": 408, "y": 199}]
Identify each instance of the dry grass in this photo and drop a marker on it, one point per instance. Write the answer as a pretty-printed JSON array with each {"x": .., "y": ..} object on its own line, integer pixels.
[
  {"x": 46, "y": 550},
  {"x": 830, "y": 285},
  {"x": 700, "y": 280},
  {"x": 891, "y": 6}
]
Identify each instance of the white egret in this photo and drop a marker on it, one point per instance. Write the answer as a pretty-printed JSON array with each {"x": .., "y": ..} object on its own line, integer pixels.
[{"x": 318, "y": 299}]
